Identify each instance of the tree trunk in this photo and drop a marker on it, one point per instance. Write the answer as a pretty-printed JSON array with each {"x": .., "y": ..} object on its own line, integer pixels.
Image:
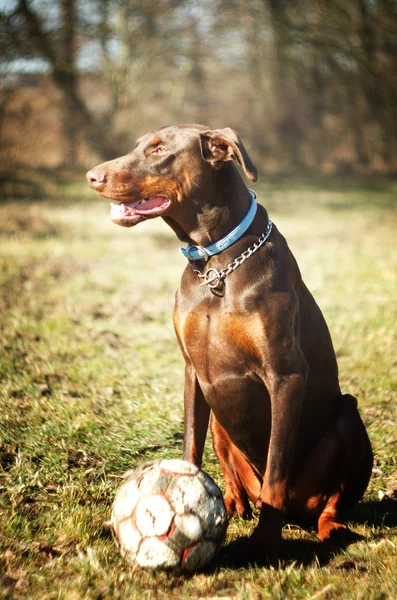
[
  {"x": 64, "y": 75},
  {"x": 289, "y": 130}
]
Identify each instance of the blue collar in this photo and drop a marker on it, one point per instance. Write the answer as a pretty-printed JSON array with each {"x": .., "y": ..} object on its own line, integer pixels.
[{"x": 200, "y": 253}]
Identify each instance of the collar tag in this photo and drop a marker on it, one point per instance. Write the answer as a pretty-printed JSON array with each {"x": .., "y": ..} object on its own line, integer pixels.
[{"x": 199, "y": 253}]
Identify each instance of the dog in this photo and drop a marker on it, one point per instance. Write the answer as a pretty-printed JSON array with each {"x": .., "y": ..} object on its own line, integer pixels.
[{"x": 260, "y": 367}]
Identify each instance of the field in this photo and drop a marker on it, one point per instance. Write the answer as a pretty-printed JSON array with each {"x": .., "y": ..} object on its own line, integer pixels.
[{"x": 92, "y": 381}]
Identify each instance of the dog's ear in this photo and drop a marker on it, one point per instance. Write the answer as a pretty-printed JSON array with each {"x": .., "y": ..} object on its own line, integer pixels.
[{"x": 220, "y": 145}]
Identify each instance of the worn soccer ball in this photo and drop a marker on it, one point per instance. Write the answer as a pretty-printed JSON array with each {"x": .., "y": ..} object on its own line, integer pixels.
[{"x": 169, "y": 515}]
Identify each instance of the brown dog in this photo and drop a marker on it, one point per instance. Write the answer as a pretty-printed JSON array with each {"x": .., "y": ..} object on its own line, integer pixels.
[{"x": 258, "y": 352}]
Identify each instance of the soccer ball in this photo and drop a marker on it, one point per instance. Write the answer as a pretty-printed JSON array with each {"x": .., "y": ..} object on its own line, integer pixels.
[{"x": 169, "y": 514}]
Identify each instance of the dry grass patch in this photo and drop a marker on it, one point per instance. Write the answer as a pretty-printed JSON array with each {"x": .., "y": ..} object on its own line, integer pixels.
[{"x": 92, "y": 381}]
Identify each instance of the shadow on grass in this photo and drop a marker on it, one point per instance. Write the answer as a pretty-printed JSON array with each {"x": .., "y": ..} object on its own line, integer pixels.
[
  {"x": 376, "y": 514},
  {"x": 27, "y": 184},
  {"x": 242, "y": 554},
  {"x": 338, "y": 194},
  {"x": 335, "y": 183}
]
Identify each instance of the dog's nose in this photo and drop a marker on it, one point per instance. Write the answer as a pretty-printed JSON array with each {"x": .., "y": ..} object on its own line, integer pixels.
[{"x": 96, "y": 178}]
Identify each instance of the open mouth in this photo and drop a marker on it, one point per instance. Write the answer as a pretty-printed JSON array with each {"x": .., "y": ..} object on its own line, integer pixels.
[{"x": 128, "y": 214}]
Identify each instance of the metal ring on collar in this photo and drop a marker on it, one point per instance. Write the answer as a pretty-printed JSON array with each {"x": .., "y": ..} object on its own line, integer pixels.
[
  {"x": 212, "y": 280},
  {"x": 201, "y": 251}
]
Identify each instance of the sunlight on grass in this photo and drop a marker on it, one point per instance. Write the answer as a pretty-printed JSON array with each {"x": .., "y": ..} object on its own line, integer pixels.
[{"x": 92, "y": 383}]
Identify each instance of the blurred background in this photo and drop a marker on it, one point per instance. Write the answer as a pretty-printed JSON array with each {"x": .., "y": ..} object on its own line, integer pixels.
[
  {"x": 311, "y": 85},
  {"x": 91, "y": 376}
]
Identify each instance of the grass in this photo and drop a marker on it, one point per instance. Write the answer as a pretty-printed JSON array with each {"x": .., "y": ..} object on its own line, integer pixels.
[{"x": 92, "y": 381}]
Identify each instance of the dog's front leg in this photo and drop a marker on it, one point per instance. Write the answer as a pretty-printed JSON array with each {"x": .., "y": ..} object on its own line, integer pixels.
[
  {"x": 286, "y": 393},
  {"x": 197, "y": 414}
]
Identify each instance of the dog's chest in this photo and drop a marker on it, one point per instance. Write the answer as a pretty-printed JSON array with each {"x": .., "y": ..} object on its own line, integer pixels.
[{"x": 220, "y": 341}]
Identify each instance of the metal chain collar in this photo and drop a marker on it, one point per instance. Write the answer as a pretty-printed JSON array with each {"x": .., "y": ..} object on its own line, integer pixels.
[{"x": 213, "y": 277}]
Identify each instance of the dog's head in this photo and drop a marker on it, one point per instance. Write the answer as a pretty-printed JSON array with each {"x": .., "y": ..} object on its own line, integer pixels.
[{"x": 166, "y": 168}]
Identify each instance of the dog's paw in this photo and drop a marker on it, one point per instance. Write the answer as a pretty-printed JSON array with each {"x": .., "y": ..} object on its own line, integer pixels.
[
  {"x": 329, "y": 530},
  {"x": 235, "y": 506}
]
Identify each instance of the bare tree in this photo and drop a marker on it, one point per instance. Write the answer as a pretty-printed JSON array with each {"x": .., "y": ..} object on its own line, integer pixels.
[
  {"x": 78, "y": 117},
  {"x": 311, "y": 83}
]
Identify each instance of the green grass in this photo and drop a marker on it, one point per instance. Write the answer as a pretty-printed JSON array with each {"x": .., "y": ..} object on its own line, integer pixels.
[{"x": 92, "y": 381}]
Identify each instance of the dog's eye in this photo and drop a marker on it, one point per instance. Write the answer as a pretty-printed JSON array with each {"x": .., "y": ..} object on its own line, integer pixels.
[{"x": 160, "y": 150}]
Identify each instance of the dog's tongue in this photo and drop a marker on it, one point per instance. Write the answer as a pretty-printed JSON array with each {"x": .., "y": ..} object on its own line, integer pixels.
[
  {"x": 131, "y": 213},
  {"x": 151, "y": 205}
]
